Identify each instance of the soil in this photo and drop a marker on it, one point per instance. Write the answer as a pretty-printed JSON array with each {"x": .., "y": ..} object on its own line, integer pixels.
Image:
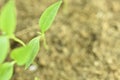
[{"x": 83, "y": 41}]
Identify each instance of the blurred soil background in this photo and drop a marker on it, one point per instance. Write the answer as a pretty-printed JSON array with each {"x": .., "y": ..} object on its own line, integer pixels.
[{"x": 83, "y": 41}]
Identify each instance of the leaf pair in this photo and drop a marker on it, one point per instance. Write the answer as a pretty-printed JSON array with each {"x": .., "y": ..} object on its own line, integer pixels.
[
  {"x": 25, "y": 55},
  {"x": 8, "y": 17}
]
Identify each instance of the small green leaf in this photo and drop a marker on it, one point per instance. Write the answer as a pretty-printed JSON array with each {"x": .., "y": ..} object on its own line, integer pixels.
[
  {"x": 6, "y": 71},
  {"x": 20, "y": 55},
  {"x": 4, "y": 47},
  {"x": 48, "y": 16},
  {"x": 25, "y": 55},
  {"x": 34, "y": 47},
  {"x": 8, "y": 18}
]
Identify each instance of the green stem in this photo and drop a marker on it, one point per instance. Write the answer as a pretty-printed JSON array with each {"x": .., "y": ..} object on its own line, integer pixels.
[
  {"x": 36, "y": 78},
  {"x": 44, "y": 41},
  {"x": 65, "y": 7},
  {"x": 13, "y": 62},
  {"x": 18, "y": 40}
]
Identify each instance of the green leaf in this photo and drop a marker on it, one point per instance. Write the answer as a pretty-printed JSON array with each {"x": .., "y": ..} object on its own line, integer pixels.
[
  {"x": 4, "y": 47},
  {"x": 6, "y": 71},
  {"x": 48, "y": 16},
  {"x": 25, "y": 55},
  {"x": 8, "y": 18},
  {"x": 34, "y": 47},
  {"x": 20, "y": 55}
]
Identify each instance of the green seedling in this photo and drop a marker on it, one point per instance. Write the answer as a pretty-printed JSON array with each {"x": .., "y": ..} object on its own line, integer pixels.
[
  {"x": 25, "y": 54},
  {"x": 47, "y": 19},
  {"x": 8, "y": 21}
]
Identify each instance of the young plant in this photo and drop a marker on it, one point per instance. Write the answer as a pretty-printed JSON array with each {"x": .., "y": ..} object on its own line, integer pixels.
[{"x": 24, "y": 55}]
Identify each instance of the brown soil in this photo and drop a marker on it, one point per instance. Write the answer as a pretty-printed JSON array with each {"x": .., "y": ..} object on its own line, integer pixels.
[{"x": 84, "y": 40}]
